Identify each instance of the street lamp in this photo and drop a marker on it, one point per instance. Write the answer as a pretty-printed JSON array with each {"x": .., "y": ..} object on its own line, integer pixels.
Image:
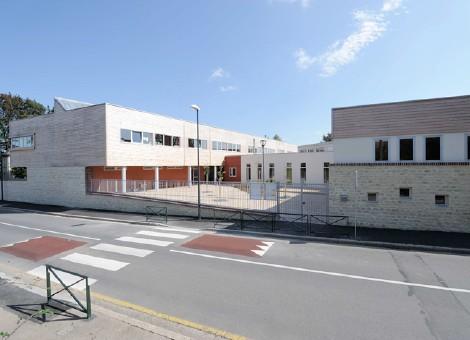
[
  {"x": 263, "y": 144},
  {"x": 196, "y": 108}
]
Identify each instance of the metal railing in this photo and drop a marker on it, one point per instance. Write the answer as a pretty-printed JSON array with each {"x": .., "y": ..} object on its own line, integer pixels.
[
  {"x": 295, "y": 198},
  {"x": 154, "y": 213}
]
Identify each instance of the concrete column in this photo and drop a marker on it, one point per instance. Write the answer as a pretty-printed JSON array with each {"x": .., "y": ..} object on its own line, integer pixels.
[
  {"x": 190, "y": 177},
  {"x": 123, "y": 178},
  {"x": 215, "y": 173},
  {"x": 157, "y": 178}
]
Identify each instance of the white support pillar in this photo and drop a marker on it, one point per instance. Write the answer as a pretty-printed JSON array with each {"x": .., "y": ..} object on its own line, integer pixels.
[
  {"x": 190, "y": 175},
  {"x": 157, "y": 178},
  {"x": 215, "y": 173},
  {"x": 123, "y": 178}
]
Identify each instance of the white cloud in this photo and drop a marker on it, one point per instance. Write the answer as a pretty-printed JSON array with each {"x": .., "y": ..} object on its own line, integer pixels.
[
  {"x": 303, "y": 3},
  {"x": 228, "y": 88},
  {"x": 218, "y": 73},
  {"x": 371, "y": 25},
  {"x": 302, "y": 59}
]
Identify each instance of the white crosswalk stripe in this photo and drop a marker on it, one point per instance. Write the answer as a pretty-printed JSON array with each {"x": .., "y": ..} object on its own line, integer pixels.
[
  {"x": 94, "y": 261},
  {"x": 164, "y": 235},
  {"x": 122, "y": 250},
  {"x": 66, "y": 278},
  {"x": 180, "y": 230},
  {"x": 145, "y": 241}
]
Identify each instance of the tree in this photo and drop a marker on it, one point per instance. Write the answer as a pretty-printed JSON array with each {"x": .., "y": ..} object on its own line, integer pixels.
[
  {"x": 277, "y": 137},
  {"x": 327, "y": 137},
  {"x": 14, "y": 107}
]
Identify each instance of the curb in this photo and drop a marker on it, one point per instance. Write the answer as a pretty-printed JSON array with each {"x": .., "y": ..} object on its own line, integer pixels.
[{"x": 329, "y": 240}]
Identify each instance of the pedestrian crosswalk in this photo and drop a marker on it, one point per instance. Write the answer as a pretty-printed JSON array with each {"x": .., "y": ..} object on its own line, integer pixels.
[{"x": 125, "y": 248}]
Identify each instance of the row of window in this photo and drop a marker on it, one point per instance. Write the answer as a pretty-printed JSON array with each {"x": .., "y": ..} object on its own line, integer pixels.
[
  {"x": 406, "y": 149},
  {"x": 252, "y": 149},
  {"x": 288, "y": 178},
  {"x": 24, "y": 142},
  {"x": 139, "y": 137},
  {"x": 405, "y": 193},
  {"x": 216, "y": 145}
]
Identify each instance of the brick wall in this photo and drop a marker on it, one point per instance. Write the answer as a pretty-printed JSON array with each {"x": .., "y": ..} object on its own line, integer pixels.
[
  {"x": 390, "y": 211},
  {"x": 232, "y": 162}
]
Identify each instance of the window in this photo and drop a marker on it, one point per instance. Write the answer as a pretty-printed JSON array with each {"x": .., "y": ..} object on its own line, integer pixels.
[
  {"x": 289, "y": 173},
  {"x": 326, "y": 172},
  {"x": 372, "y": 196},
  {"x": 405, "y": 193},
  {"x": 126, "y": 135},
  {"x": 159, "y": 139},
  {"x": 433, "y": 148},
  {"x": 468, "y": 147},
  {"x": 136, "y": 137},
  {"x": 147, "y": 137},
  {"x": 406, "y": 149},
  {"x": 232, "y": 172},
  {"x": 176, "y": 141},
  {"x": 260, "y": 167},
  {"x": 248, "y": 172},
  {"x": 441, "y": 200},
  {"x": 271, "y": 170},
  {"x": 25, "y": 142},
  {"x": 167, "y": 140},
  {"x": 191, "y": 143},
  {"x": 203, "y": 144},
  {"x": 214, "y": 145},
  {"x": 381, "y": 150},
  {"x": 303, "y": 172}
]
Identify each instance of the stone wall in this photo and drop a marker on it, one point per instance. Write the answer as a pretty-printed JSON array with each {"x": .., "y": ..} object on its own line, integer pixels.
[
  {"x": 65, "y": 186},
  {"x": 390, "y": 211}
]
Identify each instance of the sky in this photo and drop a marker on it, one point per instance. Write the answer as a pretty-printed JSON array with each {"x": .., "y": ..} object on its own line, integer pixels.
[{"x": 262, "y": 67}]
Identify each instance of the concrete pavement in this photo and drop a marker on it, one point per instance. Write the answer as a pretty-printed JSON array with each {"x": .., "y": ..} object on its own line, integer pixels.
[{"x": 296, "y": 290}]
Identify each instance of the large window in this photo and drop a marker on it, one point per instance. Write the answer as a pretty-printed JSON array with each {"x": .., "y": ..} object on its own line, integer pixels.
[
  {"x": 248, "y": 172},
  {"x": 406, "y": 149},
  {"x": 271, "y": 171},
  {"x": 167, "y": 140},
  {"x": 136, "y": 137},
  {"x": 147, "y": 137},
  {"x": 303, "y": 172},
  {"x": 25, "y": 142},
  {"x": 159, "y": 139},
  {"x": 468, "y": 147},
  {"x": 381, "y": 150},
  {"x": 232, "y": 172},
  {"x": 326, "y": 172},
  {"x": 126, "y": 135},
  {"x": 176, "y": 141},
  {"x": 433, "y": 148},
  {"x": 289, "y": 173}
]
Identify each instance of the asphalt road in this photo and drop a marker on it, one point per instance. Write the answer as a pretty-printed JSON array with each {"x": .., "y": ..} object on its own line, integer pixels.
[{"x": 295, "y": 290}]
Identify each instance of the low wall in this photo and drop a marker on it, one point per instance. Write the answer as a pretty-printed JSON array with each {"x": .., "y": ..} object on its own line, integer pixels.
[{"x": 390, "y": 211}]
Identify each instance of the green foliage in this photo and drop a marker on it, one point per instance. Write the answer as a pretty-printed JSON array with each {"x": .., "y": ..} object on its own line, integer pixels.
[
  {"x": 327, "y": 137},
  {"x": 19, "y": 172},
  {"x": 14, "y": 107},
  {"x": 277, "y": 137},
  {"x": 4, "y": 335}
]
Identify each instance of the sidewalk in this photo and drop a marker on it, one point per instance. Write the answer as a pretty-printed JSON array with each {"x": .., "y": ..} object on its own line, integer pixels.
[
  {"x": 392, "y": 238},
  {"x": 21, "y": 297}
]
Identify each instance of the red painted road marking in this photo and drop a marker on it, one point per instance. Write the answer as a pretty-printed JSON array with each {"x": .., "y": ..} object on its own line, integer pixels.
[
  {"x": 231, "y": 245},
  {"x": 40, "y": 248}
]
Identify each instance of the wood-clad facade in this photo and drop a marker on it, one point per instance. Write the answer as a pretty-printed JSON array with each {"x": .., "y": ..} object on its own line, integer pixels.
[{"x": 429, "y": 116}]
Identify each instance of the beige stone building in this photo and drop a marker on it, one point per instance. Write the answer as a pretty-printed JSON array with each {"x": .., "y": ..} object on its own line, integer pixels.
[{"x": 403, "y": 165}]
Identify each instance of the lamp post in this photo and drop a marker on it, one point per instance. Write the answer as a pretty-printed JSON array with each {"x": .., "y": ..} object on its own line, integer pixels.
[
  {"x": 263, "y": 144},
  {"x": 196, "y": 108}
]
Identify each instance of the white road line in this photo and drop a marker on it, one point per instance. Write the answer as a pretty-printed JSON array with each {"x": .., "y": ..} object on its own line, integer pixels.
[
  {"x": 122, "y": 250},
  {"x": 264, "y": 248},
  {"x": 49, "y": 231},
  {"x": 67, "y": 278},
  {"x": 164, "y": 235},
  {"x": 356, "y": 277},
  {"x": 94, "y": 261},
  {"x": 144, "y": 241},
  {"x": 181, "y": 230}
]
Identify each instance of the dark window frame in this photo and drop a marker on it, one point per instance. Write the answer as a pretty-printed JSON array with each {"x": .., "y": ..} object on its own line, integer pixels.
[
  {"x": 402, "y": 192},
  {"x": 124, "y": 139},
  {"x": 372, "y": 194},
  {"x": 441, "y": 200},
  {"x": 427, "y": 152},
  {"x": 401, "y": 152},
  {"x": 384, "y": 155},
  {"x": 159, "y": 139}
]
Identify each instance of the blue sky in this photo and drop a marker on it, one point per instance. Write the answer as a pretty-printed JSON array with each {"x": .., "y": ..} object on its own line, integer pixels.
[{"x": 256, "y": 66}]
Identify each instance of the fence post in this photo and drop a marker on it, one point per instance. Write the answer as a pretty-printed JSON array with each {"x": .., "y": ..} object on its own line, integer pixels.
[
  {"x": 48, "y": 283},
  {"x": 88, "y": 300},
  {"x": 302, "y": 197},
  {"x": 278, "y": 197},
  {"x": 241, "y": 220}
]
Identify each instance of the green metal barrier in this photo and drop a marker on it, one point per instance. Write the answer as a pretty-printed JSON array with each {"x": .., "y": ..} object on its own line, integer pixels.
[
  {"x": 156, "y": 213},
  {"x": 50, "y": 296}
]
